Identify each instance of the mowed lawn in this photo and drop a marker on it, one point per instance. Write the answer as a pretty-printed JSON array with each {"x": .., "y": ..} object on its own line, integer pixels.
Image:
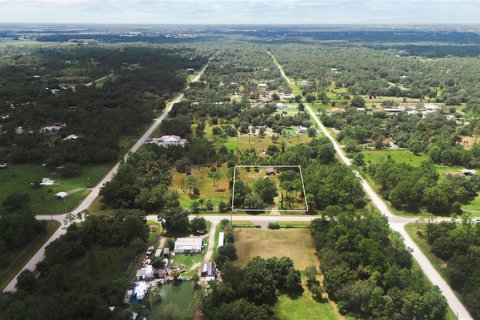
[
  {"x": 297, "y": 244},
  {"x": 304, "y": 308},
  {"x": 204, "y": 183},
  {"x": 405, "y": 156},
  {"x": 18, "y": 178}
]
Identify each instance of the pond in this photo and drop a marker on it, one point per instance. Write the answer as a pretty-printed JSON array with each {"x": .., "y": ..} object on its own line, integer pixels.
[{"x": 181, "y": 294}]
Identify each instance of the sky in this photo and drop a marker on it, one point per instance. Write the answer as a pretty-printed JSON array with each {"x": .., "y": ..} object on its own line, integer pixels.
[{"x": 241, "y": 11}]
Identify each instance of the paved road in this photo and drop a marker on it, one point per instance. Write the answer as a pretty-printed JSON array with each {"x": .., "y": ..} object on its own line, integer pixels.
[
  {"x": 40, "y": 255},
  {"x": 397, "y": 223}
]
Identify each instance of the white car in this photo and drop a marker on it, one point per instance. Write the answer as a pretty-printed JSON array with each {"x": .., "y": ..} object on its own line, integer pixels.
[{"x": 150, "y": 250}]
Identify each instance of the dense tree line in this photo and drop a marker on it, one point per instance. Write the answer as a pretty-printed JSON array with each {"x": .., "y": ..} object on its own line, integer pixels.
[
  {"x": 18, "y": 226},
  {"x": 249, "y": 293},
  {"x": 458, "y": 245},
  {"x": 412, "y": 188},
  {"x": 372, "y": 72},
  {"x": 368, "y": 272},
  {"x": 143, "y": 181},
  {"x": 139, "y": 81},
  {"x": 68, "y": 277}
]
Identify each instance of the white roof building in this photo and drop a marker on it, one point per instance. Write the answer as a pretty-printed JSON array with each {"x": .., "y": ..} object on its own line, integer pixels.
[
  {"x": 301, "y": 129},
  {"x": 221, "y": 239},
  {"x": 189, "y": 245},
  {"x": 71, "y": 137},
  {"x": 166, "y": 141},
  {"x": 47, "y": 182},
  {"x": 61, "y": 195},
  {"x": 140, "y": 290}
]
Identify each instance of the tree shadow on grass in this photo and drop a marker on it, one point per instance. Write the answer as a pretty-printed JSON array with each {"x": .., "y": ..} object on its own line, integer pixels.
[{"x": 294, "y": 293}]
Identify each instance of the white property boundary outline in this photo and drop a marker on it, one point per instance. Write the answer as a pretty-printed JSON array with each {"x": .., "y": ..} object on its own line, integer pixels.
[{"x": 265, "y": 210}]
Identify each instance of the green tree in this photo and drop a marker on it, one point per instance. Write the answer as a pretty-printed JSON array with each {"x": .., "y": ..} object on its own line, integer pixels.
[
  {"x": 357, "y": 102},
  {"x": 191, "y": 183},
  {"x": 198, "y": 224},
  {"x": 293, "y": 279},
  {"x": 259, "y": 282},
  {"x": 215, "y": 175},
  {"x": 266, "y": 189}
]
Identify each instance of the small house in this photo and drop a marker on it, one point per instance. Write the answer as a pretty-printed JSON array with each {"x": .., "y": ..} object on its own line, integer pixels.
[
  {"x": 301, "y": 129},
  {"x": 71, "y": 137},
  {"x": 469, "y": 172},
  {"x": 167, "y": 141},
  {"x": 145, "y": 273},
  {"x": 166, "y": 252},
  {"x": 3, "y": 165},
  {"x": 140, "y": 290},
  {"x": 47, "y": 182},
  {"x": 270, "y": 171},
  {"x": 61, "y": 195},
  {"x": 189, "y": 245},
  {"x": 262, "y": 86},
  {"x": 209, "y": 271}
]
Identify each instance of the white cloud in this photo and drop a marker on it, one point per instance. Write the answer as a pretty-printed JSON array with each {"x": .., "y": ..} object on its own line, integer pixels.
[{"x": 241, "y": 11}]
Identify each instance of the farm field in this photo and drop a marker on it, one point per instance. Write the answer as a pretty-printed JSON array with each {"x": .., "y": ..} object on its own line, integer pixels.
[
  {"x": 296, "y": 244},
  {"x": 18, "y": 179}
]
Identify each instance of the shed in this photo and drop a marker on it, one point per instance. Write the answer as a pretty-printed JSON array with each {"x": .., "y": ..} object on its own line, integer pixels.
[
  {"x": 61, "y": 195},
  {"x": 221, "y": 239},
  {"x": 209, "y": 271},
  {"x": 270, "y": 171},
  {"x": 301, "y": 129},
  {"x": 189, "y": 245},
  {"x": 469, "y": 172},
  {"x": 166, "y": 252}
]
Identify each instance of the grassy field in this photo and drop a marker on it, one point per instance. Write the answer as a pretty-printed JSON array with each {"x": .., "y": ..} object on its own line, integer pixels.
[
  {"x": 303, "y": 307},
  {"x": 296, "y": 244},
  {"x": 405, "y": 156},
  {"x": 18, "y": 178},
  {"x": 19, "y": 259},
  {"x": 244, "y": 142},
  {"x": 205, "y": 184}
]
